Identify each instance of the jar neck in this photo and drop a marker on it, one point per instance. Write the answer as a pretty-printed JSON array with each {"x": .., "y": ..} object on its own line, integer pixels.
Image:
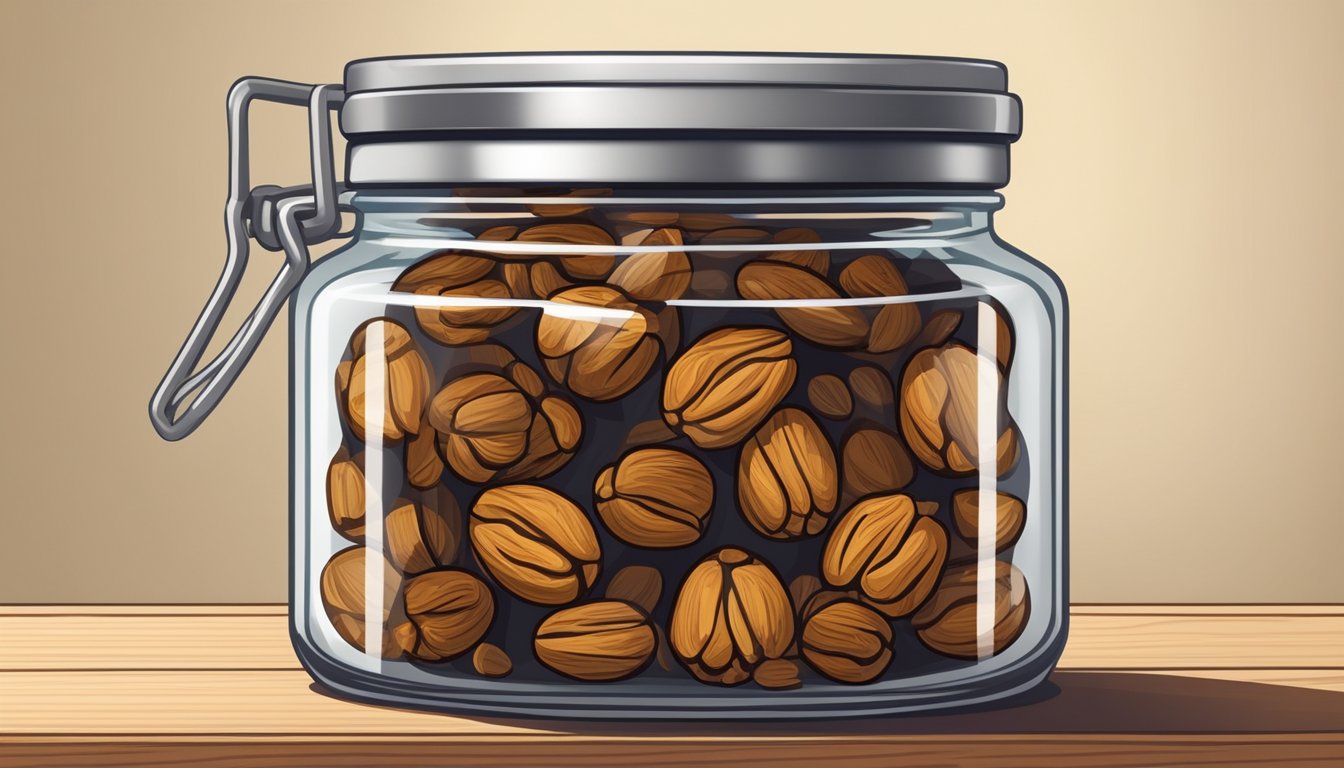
[{"x": 879, "y": 214}]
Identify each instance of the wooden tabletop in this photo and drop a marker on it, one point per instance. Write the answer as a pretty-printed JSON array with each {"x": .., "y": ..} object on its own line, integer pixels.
[{"x": 220, "y": 686}]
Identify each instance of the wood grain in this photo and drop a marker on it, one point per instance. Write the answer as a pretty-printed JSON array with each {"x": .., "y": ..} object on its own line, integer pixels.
[{"x": 219, "y": 685}]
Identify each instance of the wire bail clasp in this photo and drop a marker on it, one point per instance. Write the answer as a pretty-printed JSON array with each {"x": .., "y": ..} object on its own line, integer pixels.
[{"x": 285, "y": 219}]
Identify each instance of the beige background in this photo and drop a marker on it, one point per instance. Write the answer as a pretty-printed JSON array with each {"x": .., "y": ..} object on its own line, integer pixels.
[{"x": 1179, "y": 169}]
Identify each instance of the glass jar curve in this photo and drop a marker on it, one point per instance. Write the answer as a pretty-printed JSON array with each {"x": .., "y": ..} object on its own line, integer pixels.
[{"x": 960, "y": 596}]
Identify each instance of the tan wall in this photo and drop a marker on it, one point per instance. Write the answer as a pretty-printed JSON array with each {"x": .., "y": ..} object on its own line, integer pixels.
[{"x": 1179, "y": 169}]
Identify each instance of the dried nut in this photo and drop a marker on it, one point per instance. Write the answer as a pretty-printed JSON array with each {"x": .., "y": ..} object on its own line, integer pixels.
[
  {"x": 731, "y": 615},
  {"x": 705, "y": 221},
  {"x": 645, "y": 218},
  {"x": 709, "y": 283},
  {"x": 724, "y": 384},
  {"x": 1010, "y": 514},
  {"x": 820, "y": 599},
  {"x": 829, "y": 395},
  {"x": 424, "y": 465},
  {"x": 552, "y": 441},
  {"x": 847, "y": 642},
  {"x": 580, "y": 266},
  {"x": 343, "y": 370},
  {"x": 787, "y": 482},
  {"x": 568, "y": 209},
  {"x": 875, "y": 461},
  {"x": 451, "y": 609},
  {"x": 482, "y": 420},
  {"x": 456, "y": 274},
  {"x": 887, "y": 551},
  {"x": 535, "y": 543},
  {"x": 538, "y": 279},
  {"x": 342, "y": 587},
  {"x": 732, "y": 235},
  {"x": 654, "y": 275},
  {"x": 491, "y": 661},
  {"x": 637, "y": 584},
  {"x": 947, "y": 623},
  {"x": 939, "y": 411},
  {"x": 603, "y": 640},
  {"x": 345, "y": 494},
  {"x": 895, "y": 325},
  {"x": 669, "y": 330},
  {"x": 420, "y": 537},
  {"x": 939, "y": 328},
  {"x": 597, "y": 342},
  {"x": 802, "y": 588},
  {"x": 777, "y": 674},
  {"x": 872, "y": 390},
  {"x": 655, "y": 497},
  {"x": 498, "y": 234},
  {"x": 817, "y": 261},
  {"x": 841, "y": 327},
  {"x": 649, "y": 433},
  {"x": 405, "y": 380}
]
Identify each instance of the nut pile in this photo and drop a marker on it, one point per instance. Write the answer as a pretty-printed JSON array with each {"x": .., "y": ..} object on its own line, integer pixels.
[{"x": 614, "y": 485}]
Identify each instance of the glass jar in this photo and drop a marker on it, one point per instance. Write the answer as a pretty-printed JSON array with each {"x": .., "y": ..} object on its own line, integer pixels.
[{"x": 663, "y": 386}]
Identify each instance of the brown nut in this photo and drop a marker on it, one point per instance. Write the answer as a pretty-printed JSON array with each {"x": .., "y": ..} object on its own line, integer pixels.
[
  {"x": 535, "y": 543},
  {"x": 451, "y": 610},
  {"x": 452, "y": 274},
  {"x": 649, "y": 433},
  {"x": 840, "y": 327},
  {"x": 802, "y": 588},
  {"x": 579, "y": 266},
  {"x": 1009, "y": 515},
  {"x": 599, "y": 344},
  {"x": 939, "y": 328},
  {"x": 424, "y": 465},
  {"x": 847, "y": 641},
  {"x": 787, "y": 482},
  {"x": 886, "y": 550},
  {"x": 731, "y": 614},
  {"x": 637, "y": 584},
  {"x": 655, "y": 497},
  {"x": 829, "y": 395},
  {"x": 776, "y": 674},
  {"x": 602, "y": 640},
  {"x": 894, "y": 325},
  {"x": 725, "y": 384},
  {"x": 875, "y": 461},
  {"x": 491, "y": 661},
  {"x": 421, "y": 535},
  {"x": 551, "y": 443},
  {"x": 535, "y": 280},
  {"x": 404, "y": 375},
  {"x": 345, "y": 494},
  {"x": 873, "y": 393},
  {"x": 947, "y": 623},
  {"x": 816, "y": 261},
  {"x": 482, "y": 421},
  {"x": 654, "y": 275},
  {"x": 939, "y": 411},
  {"x": 342, "y": 588},
  {"x": 554, "y": 210}
]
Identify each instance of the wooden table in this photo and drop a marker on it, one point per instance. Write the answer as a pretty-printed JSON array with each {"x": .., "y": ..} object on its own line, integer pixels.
[{"x": 219, "y": 686}]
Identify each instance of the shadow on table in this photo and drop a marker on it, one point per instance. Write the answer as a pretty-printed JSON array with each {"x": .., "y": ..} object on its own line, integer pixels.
[{"x": 1070, "y": 702}]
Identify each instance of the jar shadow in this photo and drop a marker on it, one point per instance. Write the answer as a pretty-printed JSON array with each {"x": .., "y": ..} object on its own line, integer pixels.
[{"x": 1067, "y": 703}]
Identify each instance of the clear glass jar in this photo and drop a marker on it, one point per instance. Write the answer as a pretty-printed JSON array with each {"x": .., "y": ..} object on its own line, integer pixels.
[{"x": 677, "y": 451}]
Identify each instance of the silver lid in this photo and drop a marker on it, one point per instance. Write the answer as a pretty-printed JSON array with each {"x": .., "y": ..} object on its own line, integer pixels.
[{"x": 678, "y": 118}]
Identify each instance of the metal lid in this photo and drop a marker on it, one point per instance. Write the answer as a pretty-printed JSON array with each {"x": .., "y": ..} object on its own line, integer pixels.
[{"x": 678, "y": 118}]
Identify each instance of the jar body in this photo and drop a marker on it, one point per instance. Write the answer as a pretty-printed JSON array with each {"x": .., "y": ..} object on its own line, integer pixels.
[{"x": 646, "y": 454}]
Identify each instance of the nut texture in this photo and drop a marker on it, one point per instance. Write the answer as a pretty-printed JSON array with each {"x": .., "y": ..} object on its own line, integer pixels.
[
  {"x": 603, "y": 640},
  {"x": 875, "y": 461},
  {"x": 1009, "y": 515},
  {"x": 455, "y": 274},
  {"x": 887, "y": 551},
  {"x": 579, "y": 266},
  {"x": 724, "y": 384},
  {"x": 602, "y": 354},
  {"x": 894, "y": 325},
  {"x": 424, "y": 465},
  {"x": 731, "y": 614},
  {"x": 776, "y": 674},
  {"x": 939, "y": 411},
  {"x": 655, "y": 497},
  {"x": 451, "y": 609},
  {"x": 405, "y": 380},
  {"x": 535, "y": 543},
  {"x": 829, "y": 395},
  {"x": 420, "y": 536},
  {"x": 637, "y": 584},
  {"x": 947, "y": 622},
  {"x": 847, "y": 642},
  {"x": 491, "y": 661},
  {"x": 345, "y": 494},
  {"x": 841, "y": 327},
  {"x": 787, "y": 482},
  {"x": 483, "y": 421},
  {"x": 342, "y": 588},
  {"x": 873, "y": 392},
  {"x": 815, "y": 260},
  {"x": 654, "y": 275}
]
